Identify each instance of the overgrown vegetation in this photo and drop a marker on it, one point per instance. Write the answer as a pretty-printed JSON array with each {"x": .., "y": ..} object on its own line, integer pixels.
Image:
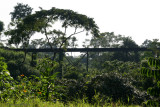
[
  {"x": 117, "y": 81},
  {"x": 52, "y": 79}
]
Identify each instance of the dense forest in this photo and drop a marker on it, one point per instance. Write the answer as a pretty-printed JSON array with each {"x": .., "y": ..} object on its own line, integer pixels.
[{"x": 120, "y": 78}]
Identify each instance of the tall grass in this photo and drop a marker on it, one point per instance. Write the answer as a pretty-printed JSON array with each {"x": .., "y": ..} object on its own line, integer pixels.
[{"x": 39, "y": 103}]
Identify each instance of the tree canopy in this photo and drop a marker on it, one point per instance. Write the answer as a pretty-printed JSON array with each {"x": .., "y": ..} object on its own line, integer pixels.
[
  {"x": 42, "y": 21},
  {"x": 1, "y": 26},
  {"x": 20, "y": 11},
  {"x": 106, "y": 40}
]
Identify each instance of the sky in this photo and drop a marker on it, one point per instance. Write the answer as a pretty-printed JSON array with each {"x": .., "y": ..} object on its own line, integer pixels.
[{"x": 139, "y": 19}]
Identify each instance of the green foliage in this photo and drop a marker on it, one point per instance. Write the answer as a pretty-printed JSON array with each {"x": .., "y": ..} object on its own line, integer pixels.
[
  {"x": 47, "y": 67},
  {"x": 73, "y": 73},
  {"x": 127, "y": 56},
  {"x": 48, "y": 70},
  {"x": 151, "y": 103},
  {"x": 44, "y": 19},
  {"x": 112, "y": 85},
  {"x": 5, "y": 80},
  {"x": 110, "y": 40},
  {"x": 96, "y": 60},
  {"x": 119, "y": 66},
  {"x": 37, "y": 43},
  {"x": 153, "y": 45},
  {"x": 36, "y": 102},
  {"x": 24, "y": 88},
  {"x": 21, "y": 89},
  {"x": 1, "y": 26},
  {"x": 16, "y": 64},
  {"x": 20, "y": 11},
  {"x": 3, "y": 65},
  {"x": 68, "y": 17},
  {"x": 70, "y": 89},
  {"x": 106, "y": 39},
  {"x": 33, "y": 63},
  {"x": 11, "y": 55},
  {"x": 153, "y": 71}
]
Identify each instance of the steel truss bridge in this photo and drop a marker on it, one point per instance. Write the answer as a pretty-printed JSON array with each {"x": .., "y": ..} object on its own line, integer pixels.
[{"x": 85, "y": 50}]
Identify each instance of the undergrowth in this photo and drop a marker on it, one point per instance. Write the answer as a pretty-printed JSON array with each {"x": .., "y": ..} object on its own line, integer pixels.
[{"x": 39, "y": 103}]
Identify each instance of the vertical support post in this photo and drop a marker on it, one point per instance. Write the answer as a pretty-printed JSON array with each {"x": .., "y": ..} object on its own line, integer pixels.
[
  {"x": 32, "y": 56},
  {"x": 60, "y": 63},
  {"x": 126, "y": 54},
  {"x": 33, "y": 62},
  {"x": 136, "y": 56},
  {"x": 87, "y": 61},
  {"x": 153, "y": 53}
]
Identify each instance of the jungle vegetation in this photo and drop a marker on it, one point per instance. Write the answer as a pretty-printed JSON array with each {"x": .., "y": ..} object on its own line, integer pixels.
[{"x": 113, "y": 78}]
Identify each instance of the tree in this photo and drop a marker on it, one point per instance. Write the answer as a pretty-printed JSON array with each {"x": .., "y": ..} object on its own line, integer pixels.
[
  {"x": 73, "y": 42},
  {"x": 42, "y": 21},
  {"x": 106, "y": 40},
  {"x": 127, "y": 56},
  {"x": 20, "y": 12},
  {"x": 110, "y": 40},
  {"x": 153, "y": 45},
  {"x": 153, "y": 71},
  {"x": 1, "y": 29},
  {"x": 37, "y": 43},
  {"x": 1, "y": 26},
  {"x": 146, "y": 43}
]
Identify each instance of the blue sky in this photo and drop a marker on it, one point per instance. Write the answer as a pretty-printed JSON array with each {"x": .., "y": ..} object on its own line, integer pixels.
[{"x": 139, "y": 19}]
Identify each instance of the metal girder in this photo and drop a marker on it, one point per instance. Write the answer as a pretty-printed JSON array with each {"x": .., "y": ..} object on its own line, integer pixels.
[{"x": 83, "y": 49}]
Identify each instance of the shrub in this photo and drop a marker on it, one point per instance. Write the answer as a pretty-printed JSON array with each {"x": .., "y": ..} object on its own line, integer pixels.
[
  {"x": 70, "y": 89},
  {"x": 116, "y": 87},
  {"x": 16, "y": 64},
  {"x": 119, "y": 66},
  {"x": 112, "y": 85},
  {"x": 73, "y": 73},
  {"x": 48, "y": 70},
  {"x": 153, "y": 71},
  {"x": 5, "y": 80}
]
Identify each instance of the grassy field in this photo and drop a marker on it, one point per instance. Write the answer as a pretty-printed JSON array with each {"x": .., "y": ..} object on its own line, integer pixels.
[{"x": 39, "y": 103}]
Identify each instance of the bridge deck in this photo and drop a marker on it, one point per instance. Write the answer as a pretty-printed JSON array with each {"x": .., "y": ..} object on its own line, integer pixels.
[{"x": 84, "y": 49}]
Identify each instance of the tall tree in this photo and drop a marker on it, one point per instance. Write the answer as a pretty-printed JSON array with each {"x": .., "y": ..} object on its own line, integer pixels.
[
  {"x": 127, "y": 56},
  {"x": 1, "y": 29},
  {"x": 1, "y": 26},
  {"x": 43, "y": 21},
  {"x": 153, "y": 45},
  {"x": 146, "y": 43},
  {"x": 106, "y": 40},
  {"x": 20, "y": 12}
]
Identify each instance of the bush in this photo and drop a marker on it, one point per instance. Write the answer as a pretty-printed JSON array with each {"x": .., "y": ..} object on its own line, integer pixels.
[
  {"x": 116, "y": 87},
  {"x": 16, "y": 63},
  {"x": 119, "y": 66},
  {"x": 5, "y": 80},
  {"x": 153, "y": 71},
  {"x": 70, "y": 89},
  {"x": 112, "y": 85},
  {"x": 73, "y": 73}
]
